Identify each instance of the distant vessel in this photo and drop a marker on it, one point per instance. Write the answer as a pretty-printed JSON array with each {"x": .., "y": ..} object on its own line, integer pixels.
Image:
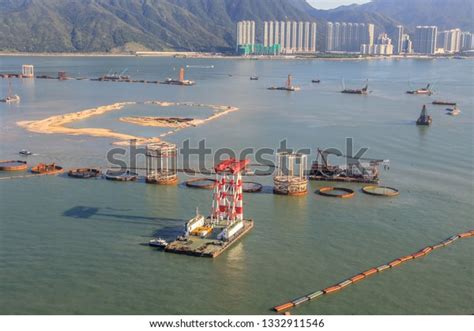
[
  {"x": 444, "y": 103},
  {"x": 10, "y": 98},
  {"x": 253, "y": 77},
  {"x": 453, "y": 111},
  {"x": 316, "y": 81},
  {"x": 423, "y": 91},
  {"x": 362, "y": 91},
  {"x": 424, "y": 118},
  {"x": 114, "y": 76},
  {"x": 289, "y": 87},
  {"x": 180, "y": 81},
  {"x": 158, "y": 242},
  {"x": 25, "y": 152},
  {"x": 200, "y": 66}
]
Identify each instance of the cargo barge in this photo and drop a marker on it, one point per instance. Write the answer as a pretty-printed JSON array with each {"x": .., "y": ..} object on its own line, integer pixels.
[
  {"x": 359, "y": 172},
  {"x": 208, "y": 239}
]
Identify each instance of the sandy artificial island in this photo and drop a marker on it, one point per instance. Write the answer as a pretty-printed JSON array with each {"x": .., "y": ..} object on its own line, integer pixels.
[{"x": 58, "y": 124}]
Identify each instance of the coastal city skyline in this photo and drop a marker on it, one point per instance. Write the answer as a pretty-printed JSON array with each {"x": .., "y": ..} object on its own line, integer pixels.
[{"x": 298, "y": 37}]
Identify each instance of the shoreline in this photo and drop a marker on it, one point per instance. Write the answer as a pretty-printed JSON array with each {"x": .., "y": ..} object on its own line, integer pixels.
[
  {"x": 57, "y": 124},
  {"x": 205, "y": 55}
]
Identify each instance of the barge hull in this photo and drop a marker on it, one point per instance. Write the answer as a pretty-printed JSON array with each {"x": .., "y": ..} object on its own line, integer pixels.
[{"x": 180, "y": 247}]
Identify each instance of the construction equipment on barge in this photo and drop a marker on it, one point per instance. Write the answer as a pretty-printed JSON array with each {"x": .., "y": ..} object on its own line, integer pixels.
[
  {"x": 84, "y": 173},
  {"x": 161, "y": 163},
  {"x": 50, "y": 169},
  {"x": 114, "y": 77},
  {"x": 290, "y": 178},
  {"x": 288, "y": 87},
  {"x": 209, "y": 237},
  {"x": 362, "y": 91},
  {"x": 357, "y": 172},
  {"x": 424, "y": 118},
  {"x": 422, "y": 91},
  {"x": 180, "y": 81}
]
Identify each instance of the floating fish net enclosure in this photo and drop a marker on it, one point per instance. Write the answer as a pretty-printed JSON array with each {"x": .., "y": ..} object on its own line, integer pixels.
[
  {"x": 84, "y": 173},
  {"x": 120, "y": 175},
  {"x": 201, "y": 183},
  {"x": 382, "y": 191},
  {"x": 13, "y": 165},
  {"x": 43, "y": 169},
  {"x": 210, "y": 183},
  {"x": 336, "y": 192},
  {"x": 251, "y": 187}
]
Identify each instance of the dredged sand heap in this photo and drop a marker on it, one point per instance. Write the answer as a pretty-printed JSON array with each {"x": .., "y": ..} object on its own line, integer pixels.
[{"x": 58, "y": 124}]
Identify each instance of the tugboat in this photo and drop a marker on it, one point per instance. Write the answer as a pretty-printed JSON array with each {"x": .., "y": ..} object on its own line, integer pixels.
[
  {"x": 423, "y": 91},
  {"x": 453, "y": 111},
  {"x": 289, "y": 87},
  {"x": 424, "y": 118},
  {"x": 158, "y": 242},
  {"x": 10, "y": 98},
  {"x": 362, "y": 91}
]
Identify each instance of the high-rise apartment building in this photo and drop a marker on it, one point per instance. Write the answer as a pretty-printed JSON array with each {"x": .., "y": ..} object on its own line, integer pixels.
[
  {"x": 397, "y": 39},
  {"x": 245, "y": 33},
  {"x": 348, "y": 37},
  {"x": 425, "y": 39},
  {"x": 450, "y": 40},
  {"x": 292, "y": 37},
  {"x": 466, "y": 41}
]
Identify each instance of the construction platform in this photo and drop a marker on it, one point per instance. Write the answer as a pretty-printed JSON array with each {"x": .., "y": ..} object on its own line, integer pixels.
[{"x": 208, "y": 246}]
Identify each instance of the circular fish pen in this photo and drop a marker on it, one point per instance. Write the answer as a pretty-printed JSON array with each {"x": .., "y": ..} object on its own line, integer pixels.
[
  {"x": 84, "y": 173},
  {"x": 201, "y": 183},
  {"x": 120, "y": 176},
  {"x": 210, "y": 183},
  {"x": 380, "y": 191},
  {"x": 336, "y": 192},
  {"x": 13, "y": 165},
  {"x": 251, "y": 187},
  {"x": 289, "y": 185},
  {"x": 47, "y": 169}
]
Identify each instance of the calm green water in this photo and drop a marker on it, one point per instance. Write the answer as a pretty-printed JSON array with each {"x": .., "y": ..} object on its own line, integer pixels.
[{"x": 73, "y": 246}]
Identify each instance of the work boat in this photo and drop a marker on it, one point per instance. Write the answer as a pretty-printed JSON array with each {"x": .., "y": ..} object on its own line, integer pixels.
[
  {"x": 158, "y": 242},
  {"x": 10, "y": 98}
]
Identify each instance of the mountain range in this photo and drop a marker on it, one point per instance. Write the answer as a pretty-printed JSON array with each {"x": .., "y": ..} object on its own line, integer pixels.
[{"x": 192, "y": 25}]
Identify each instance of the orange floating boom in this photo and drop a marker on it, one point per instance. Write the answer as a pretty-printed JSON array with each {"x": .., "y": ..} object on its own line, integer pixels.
[{"x": 372, "y": 271}]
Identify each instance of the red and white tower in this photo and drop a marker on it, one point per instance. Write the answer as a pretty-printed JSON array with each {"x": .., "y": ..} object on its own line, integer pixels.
[{"x": 227, "y": 204}]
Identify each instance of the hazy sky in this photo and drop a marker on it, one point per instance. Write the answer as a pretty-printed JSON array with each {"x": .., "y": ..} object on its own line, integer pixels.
[{"x": 326, "y": 4}]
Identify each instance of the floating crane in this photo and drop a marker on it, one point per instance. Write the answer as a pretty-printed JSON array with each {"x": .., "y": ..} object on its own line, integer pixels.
[
  {"x": 209, "y": 237},
  {"x": 424, "y": 118}
]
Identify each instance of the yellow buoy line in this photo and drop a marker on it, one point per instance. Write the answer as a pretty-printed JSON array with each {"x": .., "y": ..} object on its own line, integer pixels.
[{"x": 339, "y": 286}]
